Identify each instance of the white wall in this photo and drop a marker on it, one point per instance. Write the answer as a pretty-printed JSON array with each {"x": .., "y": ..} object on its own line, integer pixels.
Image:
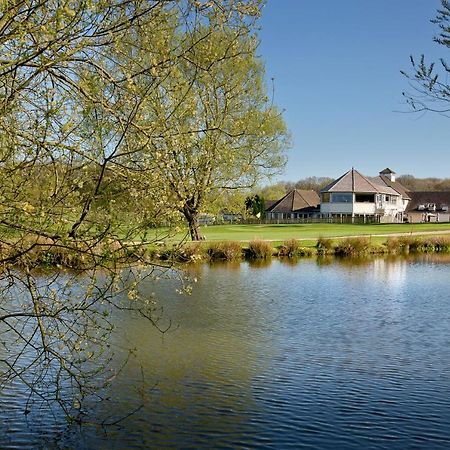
[
  {"x": 336, "y": 208},
  {"x": 388, "y": 209},
  {"x": 364, "y": 208}
]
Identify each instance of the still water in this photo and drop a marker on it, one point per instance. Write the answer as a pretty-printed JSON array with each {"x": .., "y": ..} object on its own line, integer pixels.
[{"x": 317, "y": 355}]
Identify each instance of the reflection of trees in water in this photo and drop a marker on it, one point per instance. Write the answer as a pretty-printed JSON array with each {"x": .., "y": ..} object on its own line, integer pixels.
[
  {"x": 325, "y": 260},
  {"x": 260, "y": 263},
  {"x": 55, "y": 332},
  {"x": 211, "y": 356}
]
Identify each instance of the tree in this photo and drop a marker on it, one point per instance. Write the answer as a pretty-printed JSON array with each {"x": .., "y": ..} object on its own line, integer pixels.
[
  {"x": 72, "y": 131},
  {"x": 255, "y": 205},
  {"x": 424, "y": 184},
  {"x": 273, "y": 191},
  {"x": 220, "y": 130},
  {"x": 431, "y": 81},
  {"x": 313, "y": 183}
]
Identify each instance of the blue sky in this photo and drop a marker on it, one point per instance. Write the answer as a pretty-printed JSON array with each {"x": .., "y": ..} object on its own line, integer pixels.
[{"x": 336, "y": 66}]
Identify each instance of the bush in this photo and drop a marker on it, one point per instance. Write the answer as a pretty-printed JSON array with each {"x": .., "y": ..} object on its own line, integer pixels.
[
  {"x": 378, "y": 249},
  {"x": 227, "y": 250},
  {"x": 414, "y": 244},
  {"x": 306, "y": 251},
  {"x": 324, "y": 246},
  {"x": 189, "y": 252},
  {"x": 441, "y": 243},
  {"x": 403, "y": 244},
  {"x": 289, "y": 248},
  {"x": 353, "y": 246},
  {"x": 393, "y": 245},
  {"x": 259, "y": 249}
]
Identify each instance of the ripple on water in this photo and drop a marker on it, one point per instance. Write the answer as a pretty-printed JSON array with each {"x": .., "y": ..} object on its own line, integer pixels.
[{"x": 307, "y": 356}]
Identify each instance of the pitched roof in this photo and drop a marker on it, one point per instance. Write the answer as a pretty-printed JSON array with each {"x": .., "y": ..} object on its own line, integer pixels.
[
  {"x": 439, "y": 198},
  {"x": 270, "y": 203},
  {"x": 353, "y": 181},
  {"x": 383, "y": 179},
  {"x": 295, "y": 201}
]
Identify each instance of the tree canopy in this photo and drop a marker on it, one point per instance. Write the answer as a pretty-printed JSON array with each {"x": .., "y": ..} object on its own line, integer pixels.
[
  {"x": 218, "y": 130},
  {"x": 114, "y": 116}
]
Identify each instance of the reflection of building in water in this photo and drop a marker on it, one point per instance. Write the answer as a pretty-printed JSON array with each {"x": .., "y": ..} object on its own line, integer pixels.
[{"x": 391, "y": 272}]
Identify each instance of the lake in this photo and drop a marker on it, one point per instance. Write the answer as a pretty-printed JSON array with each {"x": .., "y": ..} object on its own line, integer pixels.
[{"x": 314, "y": 354}]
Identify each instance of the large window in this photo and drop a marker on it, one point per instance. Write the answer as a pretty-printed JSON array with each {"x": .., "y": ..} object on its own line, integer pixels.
[
  {"x": 326, "y": 197},
  {"x": 342, "y": 198},
  {"x": 364, "y": 198}
]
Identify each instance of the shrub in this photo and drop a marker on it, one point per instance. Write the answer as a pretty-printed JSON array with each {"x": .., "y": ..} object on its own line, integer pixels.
[
  {"x": 441, "y": 243},
  {"x": 378, "y": 249},
  {"x": 416, "y": 245},
  {"x": 410, "y": 243},
  {"x": 324, "y": 246},
  {"x": 289, "y": 248},
  {"x": 188, "y": 252},
  {"x": 353, "y": 246},
  {"x": 42, "y": 251},
  {"x": 394, "y": 245},
  {"x": 227, "y": 250},
  {"x": 259, "y": 249},
  {"x": 306, "y": 251}
]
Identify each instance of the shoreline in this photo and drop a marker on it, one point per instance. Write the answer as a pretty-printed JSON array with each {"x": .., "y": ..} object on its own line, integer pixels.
[
  {"x": 342, "y": 246},
  {"x": 121, "y": 254}
]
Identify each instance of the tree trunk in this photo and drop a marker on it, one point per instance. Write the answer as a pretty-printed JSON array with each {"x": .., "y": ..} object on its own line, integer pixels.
[{"x": 191, "y": 218}]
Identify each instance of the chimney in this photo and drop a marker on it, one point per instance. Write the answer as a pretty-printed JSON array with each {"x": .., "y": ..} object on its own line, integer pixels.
[{"x": 389, "y": 174}]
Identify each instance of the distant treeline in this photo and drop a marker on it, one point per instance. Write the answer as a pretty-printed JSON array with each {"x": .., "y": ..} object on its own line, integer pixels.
[{"x": 424, "y": 184}]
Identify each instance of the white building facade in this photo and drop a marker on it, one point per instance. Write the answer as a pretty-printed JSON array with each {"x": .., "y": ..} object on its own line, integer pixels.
[{"x": 354, "y": 196}]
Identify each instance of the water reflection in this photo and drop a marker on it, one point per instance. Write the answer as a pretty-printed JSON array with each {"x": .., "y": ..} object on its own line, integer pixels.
[
  {"x": 392, "y": 271},
  {"x": 259, "y": 263},
  {"x": 333, "y": 355}
]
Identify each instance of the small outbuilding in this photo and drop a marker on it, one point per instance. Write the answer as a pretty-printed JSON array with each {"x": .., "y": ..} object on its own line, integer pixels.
[{"x": 296, "y": 204}]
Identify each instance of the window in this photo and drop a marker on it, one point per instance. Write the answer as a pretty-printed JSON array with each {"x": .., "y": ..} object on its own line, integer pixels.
[
  {"x": 364, "y": 198},
  {"x": 342, "y": 198},
  {"x": 326, "y": 197},
  {"x": 390, "y": 199}
]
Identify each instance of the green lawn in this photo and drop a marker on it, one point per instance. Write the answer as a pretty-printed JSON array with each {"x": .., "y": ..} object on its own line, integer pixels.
[{"x": 310, "y": 232}]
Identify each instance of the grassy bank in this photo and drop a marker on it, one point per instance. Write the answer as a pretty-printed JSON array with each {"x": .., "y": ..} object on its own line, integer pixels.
[
  {"x": 316, "y": 239},
  {"x": 293, "y": 248},
  {"x": 308, "y": 232}
]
